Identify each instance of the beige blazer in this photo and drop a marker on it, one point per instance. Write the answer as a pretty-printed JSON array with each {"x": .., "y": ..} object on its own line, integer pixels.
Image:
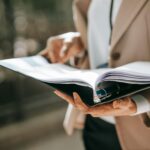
[{"x": 130, "y": 42}]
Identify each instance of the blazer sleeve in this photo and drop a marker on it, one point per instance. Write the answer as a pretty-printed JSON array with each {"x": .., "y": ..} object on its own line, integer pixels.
[
  {"x": 143, "y": 105},
  {"x": 80, "y": 9},
  {"x": 146, "y": 116}
]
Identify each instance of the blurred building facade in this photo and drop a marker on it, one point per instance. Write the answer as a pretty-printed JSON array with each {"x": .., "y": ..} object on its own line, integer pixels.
[
  {"x": 24, "y": 30},
  {"x": 31, "y": 115}
]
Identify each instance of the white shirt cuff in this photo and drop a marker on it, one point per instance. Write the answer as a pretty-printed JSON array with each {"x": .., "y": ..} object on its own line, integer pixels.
[{"x": 142, "y": 103}]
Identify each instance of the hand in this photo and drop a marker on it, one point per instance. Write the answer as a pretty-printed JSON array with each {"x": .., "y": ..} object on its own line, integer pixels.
[
  {"x": 61, "y": 48},
  {"x": 119, "y": 107}
]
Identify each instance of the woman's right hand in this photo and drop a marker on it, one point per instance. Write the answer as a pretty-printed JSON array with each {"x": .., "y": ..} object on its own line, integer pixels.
[{"x": 61, "y": 48}]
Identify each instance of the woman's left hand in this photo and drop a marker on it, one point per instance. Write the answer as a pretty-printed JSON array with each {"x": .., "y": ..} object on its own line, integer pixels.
[{"x": 119, "y": 107}]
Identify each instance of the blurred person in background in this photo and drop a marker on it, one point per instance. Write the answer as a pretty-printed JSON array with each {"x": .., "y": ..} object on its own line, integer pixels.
[{"x": 113, "y": 32}]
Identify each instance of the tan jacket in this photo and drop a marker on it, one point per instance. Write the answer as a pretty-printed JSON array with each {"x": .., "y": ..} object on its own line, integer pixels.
[{"x": 130, "y": 42}]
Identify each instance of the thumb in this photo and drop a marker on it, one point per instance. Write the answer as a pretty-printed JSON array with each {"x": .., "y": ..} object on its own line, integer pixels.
[{"x": 122, "y": 103}]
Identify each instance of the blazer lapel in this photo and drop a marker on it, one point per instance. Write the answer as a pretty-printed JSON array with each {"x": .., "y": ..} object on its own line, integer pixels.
[{"x": 127, "y": 13}]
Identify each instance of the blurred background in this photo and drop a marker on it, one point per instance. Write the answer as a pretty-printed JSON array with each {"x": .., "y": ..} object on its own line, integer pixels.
[{"x": 31, "y": 115}]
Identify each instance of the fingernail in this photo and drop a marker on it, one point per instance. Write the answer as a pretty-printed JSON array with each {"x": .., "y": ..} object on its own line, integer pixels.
[
  {"x": 74, "y": 95},
  {"x": 56, "y": 92}
]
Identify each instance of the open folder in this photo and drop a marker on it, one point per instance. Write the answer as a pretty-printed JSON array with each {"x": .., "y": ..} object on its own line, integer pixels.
[{"x": 95, "y": 87}]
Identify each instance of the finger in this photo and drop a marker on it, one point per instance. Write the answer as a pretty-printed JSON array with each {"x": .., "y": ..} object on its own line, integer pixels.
[
  {"x": 54, "y": 50},
  {"x": 124, "y": 103},
  {"x": 79, "y": 103},
  {"x": 107, "y": 110},
  {"x": 52, "y": 56},
  {"x": 72, "y": 51},
  {"x": 65, "y": 48},
  {"x": 63, "y": 51},
  {"x": 104, "y": 109},
  {"x": 128, "y": 105},
  {"x": 64, "y": 96},
  {"x": 121, "y": 107}
]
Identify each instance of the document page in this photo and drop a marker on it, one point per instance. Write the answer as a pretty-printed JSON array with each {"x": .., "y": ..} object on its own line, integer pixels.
[
  {"x": 39, "y": 68},
  {"x": 132, "y": 73}
]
